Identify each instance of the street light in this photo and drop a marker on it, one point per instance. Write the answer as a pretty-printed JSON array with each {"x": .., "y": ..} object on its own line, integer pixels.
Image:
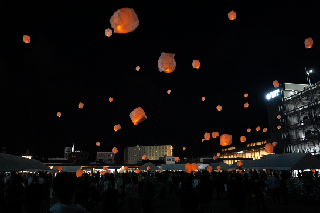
[{"x": 308, "y": 72}]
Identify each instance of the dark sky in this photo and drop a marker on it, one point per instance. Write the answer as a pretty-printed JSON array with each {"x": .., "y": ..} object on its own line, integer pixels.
[{"x": 69, "y": 60}]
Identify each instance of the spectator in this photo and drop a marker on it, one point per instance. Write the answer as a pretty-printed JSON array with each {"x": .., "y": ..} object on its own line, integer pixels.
[
  {"x": 284, "y": 187},
  {"x": 257, "y": 188},
  {"x": 110, "y": 201},
  {"x": 34, "y": 196},
  {"x": 206, "y": 193},
  {"x": 248, "y": 191},
  {"x": 239, "y": 196},
  {"x": 188, "y": 198},
  {"x": 133, "y": 195},
  {"x": 275, "y": 185},
  {"x": 15, "y": 193},
  {"x": 64, "y": 189}
]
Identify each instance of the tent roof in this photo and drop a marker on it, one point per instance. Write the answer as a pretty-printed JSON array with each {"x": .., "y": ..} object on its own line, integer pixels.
[
  {"x": 246, "y": 165},
  {"x": 151, "y": 165},
  {"x": 223, "y": 166}
]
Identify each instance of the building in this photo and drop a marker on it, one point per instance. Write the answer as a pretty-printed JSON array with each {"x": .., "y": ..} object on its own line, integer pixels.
[
  {"x": 105, "y": 157},
  {"x": 134, "y": 154},
  {"x": 78, "y": 157},
  {"x": 297, "y": 130},
  {"x": 168, "y": 160},
  {"x": 67, "y": 151}
]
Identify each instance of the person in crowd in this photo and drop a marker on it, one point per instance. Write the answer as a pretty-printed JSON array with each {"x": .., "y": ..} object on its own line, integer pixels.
[
  {"x": 64, "y": 188},
  {"x": 284, "y": 187},
  {"x": 206, "y": 193},
  {"x": 257, "y": 188},
  {"x": 34, "y": 196},
  {"x": 147, "y": 196},
  {"x": 274, "y": 182},
  {"x": 133, "y": 195},
  {"x": 188, "y": 199},
  {"x": 110, "y": 200},
  {"x": 239, "y": 195},
  {"x": 248, "y": 191},
  {"x": 230, "y": 188},
  {"x": 14, "y": 194},
  {"x": 107, "y": 183}
]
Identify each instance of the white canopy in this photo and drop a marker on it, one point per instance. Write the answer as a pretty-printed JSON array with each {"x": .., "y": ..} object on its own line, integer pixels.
[
  {"x": 287, "y": 161},
  {"x": 246, "y": 165},
  {"x": 223, "y": 166},
  {"x": 151, "y": 165}
]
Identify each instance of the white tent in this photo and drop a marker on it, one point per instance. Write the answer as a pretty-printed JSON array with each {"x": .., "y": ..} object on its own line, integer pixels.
[
  {"x": 151, "y": 165},
  {"x": 221, "y": 164},
  {"x": 288, "y": 161},
  {"x": 246, "y": 165},
  {"x": 202, "y": 166}
]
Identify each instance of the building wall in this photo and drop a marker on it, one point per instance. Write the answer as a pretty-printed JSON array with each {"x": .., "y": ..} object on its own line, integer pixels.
[
  {"x": 134, "y": 154},
  {"x": 78, "y": 157},
  {"x": 106, "y": 157}
]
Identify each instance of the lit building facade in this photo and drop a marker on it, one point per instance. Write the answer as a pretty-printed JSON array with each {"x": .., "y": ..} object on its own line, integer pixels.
[
  {"x": 134, "y": 154},
  {"x": 78, "y": 157},
  {"x": 105, "y": 157}
]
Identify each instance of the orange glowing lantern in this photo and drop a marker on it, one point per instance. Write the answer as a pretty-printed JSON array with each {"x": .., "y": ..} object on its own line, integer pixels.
[
  {"x": 209, "y": 168},
  {"x": 215, "y": 134},
  {"x": 232, "y": 15},
  {"x": 79, "y": 172},
  {"x": 246, "y": 105},
  {"x": 124, "y": 20},
  {"x": 308, "y": 43},
  {"x": 81, "y": 105},
  {"x": 239, "y": 163},
  {"x": 246, "y": 95},
  {"x": 105, "y": 168},
  {"x": 258, "y": 128},
  {"x": 177, "y": 159},
  {"x": 144, "y": 157},
  {"x": 225, "y": 140},
  {"x": 114, "y": 150},
  {"x": 169, "y": 91},
  {"x": 265, "y": 129},
  {"x": 218, "y": 154},
  {"x": 148, "y": 167},
  {"x": 108, "y": 32},
  {"x": 203, "y": 98},
  {"x": 117, "y": 127},
  {"x": 218, "y": 167},
  {"x": 202, "y": 140},
  {"x": 102, "y": 172},
  {"x": 274, "y": 143},
  {"x": 59, "y": 168},
  {"x": 137, "y": 171},
  {"x": 90, "y": 174},
  {"x": 184, "y": 148},
  {"x": 207, "y": 136},
  {"x": 194, "y": 167},
  {"x": 137, "y": 116},
  {"x": 137, "y": 68},
  {"x": 313, "y": 171},
  {"x": 275, "y": 84},
  {"x": 269, "y": 148},
  {"x": 188, "y": 168},
  {"x": 196, "y": 64},
  {"x": 98, "y": 143},
  {"x": 219, "y": 108},
  {"x": 59, "y": 114},
  {"x": 126, "y": 168},
  {"x": 166, "y": 63},
  {"x": 278, "y": 116},
  {"x": 215, "y": 157},
  {"x": 110, "y": 99},
  {"x": 243, "y": 139},
  {"x": 248, "y": 130},
  {"x": 26, "y": 39},
  {"x": 278, "y": 127}
]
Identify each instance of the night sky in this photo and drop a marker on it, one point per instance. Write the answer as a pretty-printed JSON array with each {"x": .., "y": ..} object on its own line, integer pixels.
[{"x": 70, "y": 60}]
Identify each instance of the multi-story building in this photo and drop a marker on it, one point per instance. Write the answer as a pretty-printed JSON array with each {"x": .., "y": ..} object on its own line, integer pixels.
[
  {"x": 105, "y": 157},
  {"x": 294, "y": 118},
  {"x": 78, "y": 157},
  {"x": 134, "y": 154}
]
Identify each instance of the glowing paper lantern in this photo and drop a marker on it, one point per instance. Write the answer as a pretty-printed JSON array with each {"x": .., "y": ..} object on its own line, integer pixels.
[
  {"x": 265, "y": 129},
  {"x": 196, "y": 64},
  {"x": 258, "y": 128},
  {"x": 243, "y": 139},
  {"x": 225, "y": 140},
  {"x": 187, "y": 168},
  {"x": 98, "y": 143},
  {"x": 232, "y": 15},
  {"x": 110, "y": 99},
  {"x": 90, "y": 174},
  {"x": 137, "y": 116},
  {"x": 218, "y": 154},
  {"x": 278, "y": 127},
  {"x": 59, "y": 114},
  {"x": 124, "y": 20},
  {"x": 169, "y": 91},
  {"x": 114, "y": 150},
  {"x": 219, "y": 108},
  {"x": 274, "y": 143},
  {"x": 184, "y": 148},
  {"x": 137, "y": 68},
  {"x": 26, "y": 39},
  {"x": 166, "y": 63},
  {"x": 239, "y": 163},
  {"x": 246, "y": 95},
  {"x": 59, "y": 168},
  {"x": 313, "y": 170},
  {"x": 207, "y": 136},
  {"x": 144, "y": 157},
  {"x": 102, "y": 172},
  {"x": 126, "y": 168},
  {"x": 246, "y": 105},
  {"x": 105, "y": 168},
  {"x": 148, "y": 167},
  {"x": 275, "y": 84},
  {"x": 202, "y": 140},
  {"x": 194, "y": 167},
  {"x": 308, "y": 43},
  {"x": 203, "y": 98},
  {"x": 215, "y": 157},
  {"x": 268, "y": 148},
  {"x": 209, "y": 168},
  {"x": 218, "y": 167},
  {"x": 177, "y": 159},
  {"x": 278, "y": 116},
  {"x": 248, "y": 130},
  {"x": 108, "y": 32},
  {"x": 117, "y": 127},
  {"x": 79, "y": 172},
  {"x": 215, "y": 134},
  {"x": 81, "y": 105},
  {"x": 137, "y": 171}
]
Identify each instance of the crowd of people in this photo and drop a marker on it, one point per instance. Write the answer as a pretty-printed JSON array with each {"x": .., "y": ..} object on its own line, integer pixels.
[{"x": 196, "y": 191}]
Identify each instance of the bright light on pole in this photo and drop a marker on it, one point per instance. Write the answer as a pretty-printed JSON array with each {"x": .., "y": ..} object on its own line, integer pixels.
[{"x": 268, "y": 96}]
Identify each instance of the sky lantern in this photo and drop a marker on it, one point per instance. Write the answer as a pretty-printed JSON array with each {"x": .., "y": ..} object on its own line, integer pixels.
[
  {"x": 219, "y": 108},
  {"x": 105, "y": 168},
  {"x": 246, "y": 95},
  {"x": 59, "y": 114},
  {"x": 177, "y": 159},
  {"x": 218, "y": 154},
  {"x": 203, "y": 98},
  {"x": 225, "y": 140},
  {"x": 137, "y": 116},
  {"x": 275, "y": 84},
  {"x": 278, "y": 127},
  {"x": 59, "y": 168},
  {"x": 196, "y": 64},
  {"x": 215, "y": 134},
  {"x": 102, "y": 172},
  {"x": 246, "y": 105},
  {"x": 169, "y": 91},
  {"x": 117, "y": 127},
  {"x": 98, "y": 143},
  {"x": 232, "y": 15},
  {"x": 258, "y": 128},
  {"x": 126, "y": 168},
  {"x": 268, "y": 148},
  {"x": 108, "y": 32},
  {"x": 313, "y": 170},
  {"x": 79, "y": 172},
  {"x": 207, "y": 136},
  {"x": 144, "y": 157},
  {"x": 218, "y": 167},
  {"x": 274, "y": 143},
  {"x": 265, "y": 129},
  {"x": 248, "y": 130},
  {"x": 243, "y": 139},
  {"x": 215, "y": 158},
  {"x": 26, "y": 39},
  {"x": 81, "y": 105},
  {"x": 137, "y": 68},
  {"x": 202, "y": 140},
  {"x": 187, "y": 168},
  {"x": 166, "y": 63},
  {"x": 137, "y": 171},
  {"x": 124, "y": 20},
  {"x": 194, "y": 167},
  {"x": 184, "y": 148},
  {"x": 308, "y": 43},
  {"x": 114, "y": 150},
  {"x": 148, "y": 167},
  {"x": 90, "y": 174},
  {"x": 278, "y": 116},
  {"x": 209, "y": 168},
  {"x": 239, "y": 163},
  {"x": 110, "y": 99}
]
